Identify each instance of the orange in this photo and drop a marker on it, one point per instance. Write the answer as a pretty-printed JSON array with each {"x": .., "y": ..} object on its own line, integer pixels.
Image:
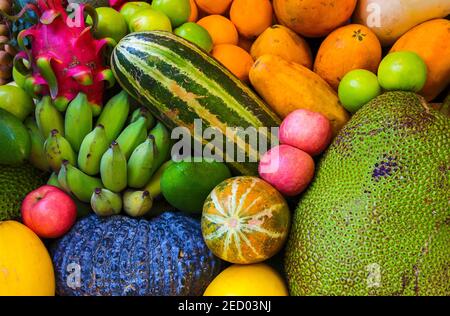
[
  {"x": 251, "y": 17},
  {"x": 194, "y": 12},
  {"x": 220, "y": 28},
  {"x": 214, "y": 6},
  {"x": 236, "y": 59}
]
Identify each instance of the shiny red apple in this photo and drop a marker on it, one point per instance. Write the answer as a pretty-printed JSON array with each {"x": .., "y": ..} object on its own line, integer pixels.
[{"x": 49, "y": 212}]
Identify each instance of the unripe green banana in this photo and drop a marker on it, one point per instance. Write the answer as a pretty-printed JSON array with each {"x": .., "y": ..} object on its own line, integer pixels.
[
  {"x": 76, "y": 182},
  {"x": 48, "y": 117},
  {"x": 143, "y": 112},
  {"x": 163, "y": 143},
  {"x": 105, "y": 202},
  {"x": 94, "y": 145},
  {"x": 133, "y": 135},
  {"x": 53, "y": 180},
  {"x": 114, "y": 115},
  {"x": 78, "y": 120},
  {"x": 37, "y": 152},
  {"x": 154, "y": 185},
  {"x": 57, "y": 149},
  {"x": 137, "y": 203},
  {"x": 140, "y": 164},
  {"x": 113, "y": 168}
]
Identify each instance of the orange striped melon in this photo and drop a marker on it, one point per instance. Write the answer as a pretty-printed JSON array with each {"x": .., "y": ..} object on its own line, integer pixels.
[{"x": 245, "y": 220}]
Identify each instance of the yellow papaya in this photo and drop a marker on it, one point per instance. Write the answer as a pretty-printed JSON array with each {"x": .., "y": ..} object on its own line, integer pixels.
[{"x": 287, "y": 86}]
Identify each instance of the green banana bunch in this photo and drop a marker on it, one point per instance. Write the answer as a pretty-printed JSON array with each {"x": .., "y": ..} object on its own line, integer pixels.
[
  {"x": 163, "y": 144},
  {"x": 140, "y": 164},
  {"x": 154, "y": 185},
  {"x": 105, "y": 202},
  {"x": 143, "y": 112},
  {"x": 37, "y": 152},
  {"x": 113, "y": 168},
  {"x": 78, "y": 120},
  {"x": 57, "y": 149},
  {"x": 114, "y": 115},
  {"x": 76, "y": 182},
  {"x": 94, "y": 145},
  {"x": 137, "y": 203},
  {"x": 133, "y": 135},
  {"x": 48, "y": 117}
]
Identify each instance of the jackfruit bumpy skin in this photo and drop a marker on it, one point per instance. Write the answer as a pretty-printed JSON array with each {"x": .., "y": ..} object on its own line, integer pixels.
[
  {"x": 15, "y": 183},
  {"x": 376, "y": 220}
]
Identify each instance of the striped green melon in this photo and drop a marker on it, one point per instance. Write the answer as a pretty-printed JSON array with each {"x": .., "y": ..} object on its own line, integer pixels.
[{"x": 178, "y": 82}]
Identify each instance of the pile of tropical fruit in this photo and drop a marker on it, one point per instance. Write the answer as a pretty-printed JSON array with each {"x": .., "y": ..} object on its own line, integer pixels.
[{"x": 225, "y": 147}]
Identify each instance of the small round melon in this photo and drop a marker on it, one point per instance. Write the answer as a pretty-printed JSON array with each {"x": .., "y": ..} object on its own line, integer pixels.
[{"x": 245, "y": 220}]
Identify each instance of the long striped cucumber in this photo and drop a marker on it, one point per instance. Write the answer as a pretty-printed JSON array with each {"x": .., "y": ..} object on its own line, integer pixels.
[{"x": 179, "y": 83}]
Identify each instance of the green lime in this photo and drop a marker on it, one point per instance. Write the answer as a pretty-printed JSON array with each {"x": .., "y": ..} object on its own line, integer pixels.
[
  {"x": 149, "y": 20},
  {"x": 16, "y": 101},
  {"x": 196, "y": 34},
  {"x": 131, "y": 8},
  {"x": 405, "y": 71},
  {"x": 15, "y": 141},
  {"x": 178, "y": 11},
  {"x": 186, "y": 185},
  {"x": 357, "y": 88},
  {"x": 110, "y": 24}
]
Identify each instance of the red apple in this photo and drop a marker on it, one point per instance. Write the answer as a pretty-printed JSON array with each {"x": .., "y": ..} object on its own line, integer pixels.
[
  {"x": 49, "y": 211},
  {"x": 288, "y": 169},
  {"x": 306, "y": 130}
]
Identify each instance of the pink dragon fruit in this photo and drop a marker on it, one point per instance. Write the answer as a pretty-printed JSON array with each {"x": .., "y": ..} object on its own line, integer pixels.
[{"x": 64, "y": 58}]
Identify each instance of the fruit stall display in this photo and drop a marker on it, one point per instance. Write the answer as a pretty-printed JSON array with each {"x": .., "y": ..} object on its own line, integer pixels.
[{"x": 352, "y": 197}]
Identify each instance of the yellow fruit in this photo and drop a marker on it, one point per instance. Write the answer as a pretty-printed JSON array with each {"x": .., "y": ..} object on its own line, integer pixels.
[
  {"x": 251, "y": 17},
  {"x": 25, "y": 265},
  {"x": 248, "y": 280}
]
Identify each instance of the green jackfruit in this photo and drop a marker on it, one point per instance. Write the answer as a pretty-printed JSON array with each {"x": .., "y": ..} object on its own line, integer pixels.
[
  {"x": 376, "y": 219},
  {"x": 15, "y": 183}
]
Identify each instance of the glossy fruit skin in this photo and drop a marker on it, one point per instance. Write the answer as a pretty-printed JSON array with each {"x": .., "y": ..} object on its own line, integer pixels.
[
  {"x": 251, "y": 17},
  {"x": 240, "y": 280},
  {"x": 404, "y": 71},
  {"x": 149, "y": 20},
  {"x": 237, "y": 106},
  {"x": 110, "y": 24},
  {"x": 196, "y": 34},
  {"x": 357, "y": 88},
  {"x": 186, "y": 185},
  {"x": 193, "y": 17},
  {"x": 162, "y": 256},
  {"x": 15, "y": 142},
  {"x": 16, "y": 101},
  {"x": 221, "y": 29},
  {"x": 311, "y": 18},
  {"x": 347, "y": 48},
  {"x": 213, "y": 7},
  {"x": 288, "y": 169},
  {"x": 236, "y": 59},
  {"x": 306, "y": 130},
  {"x": 49, "y": 212},
  {"x": 434, "y": 50},
  {"x": 26, "y": 261},
  {"x": 288, "y": 86},
  {"x": 130, "y": 8},
  {"x": 178, "y": 11},
  {"x": 245, "y": 220},
  {"x": 281, "y": 41}
]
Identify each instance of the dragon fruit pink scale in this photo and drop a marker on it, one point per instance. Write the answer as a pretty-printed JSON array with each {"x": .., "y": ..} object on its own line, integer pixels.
[{"x": 64, "y": 58}]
